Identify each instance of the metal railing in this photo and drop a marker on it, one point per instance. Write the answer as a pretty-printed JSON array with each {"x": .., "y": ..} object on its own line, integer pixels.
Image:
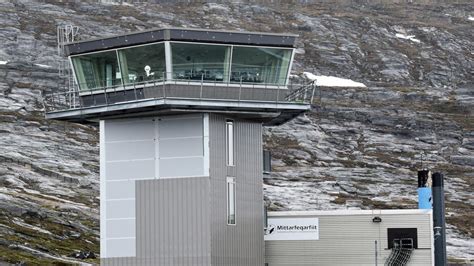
[
  {"x": 111, "y": 92},
  {"x": 401, "y": 252}
]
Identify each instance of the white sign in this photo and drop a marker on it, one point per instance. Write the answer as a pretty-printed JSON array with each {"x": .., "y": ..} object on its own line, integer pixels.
[{"x": 280, "y": 228}]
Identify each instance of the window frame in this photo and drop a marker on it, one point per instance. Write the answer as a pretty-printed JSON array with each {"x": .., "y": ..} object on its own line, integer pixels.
[
  {"x": 73, "y": 65},
  {"x": 229, "y": 142},
  {"x": 134, "y": 47},
  {"x": 226, "y": 76},
  {"x": 267, "y": 84},
  {"x": 230, "y": 183},
  {"x": 169, "y": 67}
]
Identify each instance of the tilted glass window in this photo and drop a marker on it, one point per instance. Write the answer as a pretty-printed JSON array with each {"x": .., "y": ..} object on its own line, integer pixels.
[
  {"x": 231, "y": 198},
  {"x": 98, "y": 70},
  {"x": 200, "y": 61},
  {"x": 260, "y": 65},
  {"x": 142, "y": 63}
]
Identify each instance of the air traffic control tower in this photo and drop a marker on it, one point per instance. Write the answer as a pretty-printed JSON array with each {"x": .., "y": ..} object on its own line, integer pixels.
[{"x": 181, "y": 114}]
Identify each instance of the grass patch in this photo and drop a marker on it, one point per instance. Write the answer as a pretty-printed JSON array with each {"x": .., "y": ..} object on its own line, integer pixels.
[
  {"x": 17, "y": 256},
  {"x": 60, "y": 242}
]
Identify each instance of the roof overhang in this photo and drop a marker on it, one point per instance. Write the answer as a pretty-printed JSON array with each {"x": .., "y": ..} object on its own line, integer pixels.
[
  {"x": 268, "y": 113},
  {"x": 182, "y": 34}
]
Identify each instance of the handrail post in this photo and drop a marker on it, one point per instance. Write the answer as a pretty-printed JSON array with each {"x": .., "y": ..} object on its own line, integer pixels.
[
  {"x": 278, "y": 95},
  {"x": 240, "y": 89},
  {"x": 164, "y": 80},
  {"x": 79, "y": 99},
  {"x": 135, "y": 90},
  {"x": 202, "y": 80},
  {"x": 164, "y": 90},
  {"x": 105, "y": 96},
  {"x": 92, "y": 96}
]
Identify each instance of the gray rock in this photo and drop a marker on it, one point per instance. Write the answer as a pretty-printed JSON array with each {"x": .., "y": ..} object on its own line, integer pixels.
[{"x": 361, "y": 146}]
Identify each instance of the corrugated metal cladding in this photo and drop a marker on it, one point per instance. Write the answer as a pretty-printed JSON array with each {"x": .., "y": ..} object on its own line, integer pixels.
[
  {"x": 173, "y": 221},
  {"x": 350, "y": 240},
  {"x": 240, "y": 244}
]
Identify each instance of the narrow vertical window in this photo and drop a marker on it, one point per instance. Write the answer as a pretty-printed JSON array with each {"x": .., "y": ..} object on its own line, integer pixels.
[
  {"x": 230, "y": 200},
  {"x": 229, "y": 132}
]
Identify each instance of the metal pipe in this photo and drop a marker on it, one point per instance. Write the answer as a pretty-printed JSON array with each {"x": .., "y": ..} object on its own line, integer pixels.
[
  {"x": 376, "y": 254},
  {"x": 439, "y": 222}
]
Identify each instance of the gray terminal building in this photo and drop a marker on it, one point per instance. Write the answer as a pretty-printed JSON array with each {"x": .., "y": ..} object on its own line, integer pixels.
[{"x": 181, "y": 113}]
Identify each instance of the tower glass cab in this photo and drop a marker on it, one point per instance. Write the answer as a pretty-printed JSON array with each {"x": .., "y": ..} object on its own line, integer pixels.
[
  {"x": 187, "y": 61},
  {"x": 181, "y": 114}
]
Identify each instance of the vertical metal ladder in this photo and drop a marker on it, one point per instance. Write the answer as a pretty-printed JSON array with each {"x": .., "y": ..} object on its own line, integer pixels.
[
  {"x": 401, "y": 252},
  {"x": 66, "y": 34}
]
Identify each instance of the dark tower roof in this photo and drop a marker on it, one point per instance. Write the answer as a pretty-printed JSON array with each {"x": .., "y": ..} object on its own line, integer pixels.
[{"x": 181, "y": 34}]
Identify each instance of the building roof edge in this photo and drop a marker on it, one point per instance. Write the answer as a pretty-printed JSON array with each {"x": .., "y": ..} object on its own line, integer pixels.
[{"x": 182, "y": 34}]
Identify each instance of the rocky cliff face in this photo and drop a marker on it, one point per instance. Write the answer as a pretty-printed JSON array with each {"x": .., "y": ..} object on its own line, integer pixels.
[{"x": 357, "y": 148}]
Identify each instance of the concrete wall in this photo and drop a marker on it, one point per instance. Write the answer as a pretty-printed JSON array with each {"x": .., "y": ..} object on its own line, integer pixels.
[{"x": 348, "y": 238}]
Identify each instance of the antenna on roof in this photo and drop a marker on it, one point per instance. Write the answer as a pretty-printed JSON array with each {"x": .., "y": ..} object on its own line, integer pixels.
[{"x": 65, "y": 34}]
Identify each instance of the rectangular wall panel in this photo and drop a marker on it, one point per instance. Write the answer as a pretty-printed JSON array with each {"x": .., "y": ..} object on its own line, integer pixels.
[
  {"x": 181, "y": 126},
  {"x": 181, "y": 147},
  {"x": 122, "y": 189},
  {"x": 120, "y": 209},
  {"x": 173, "y": 226},
  {"x": 181, "y": 167},
  {"x": 122, "y": 228},
  {"x": 130, "y": 150},
  {"x": 129, "y": 129},
  {"x": 131, "y": 170},
  {"x": 120, "y": 247}
]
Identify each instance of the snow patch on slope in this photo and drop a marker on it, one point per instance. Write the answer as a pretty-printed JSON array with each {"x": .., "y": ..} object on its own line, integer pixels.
[
  {"x": 43, "y": 66},
  {"x": 330, "y": 81},
  {"x": 3, "y": 62},
  {"x": 407, "y": 37}
]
